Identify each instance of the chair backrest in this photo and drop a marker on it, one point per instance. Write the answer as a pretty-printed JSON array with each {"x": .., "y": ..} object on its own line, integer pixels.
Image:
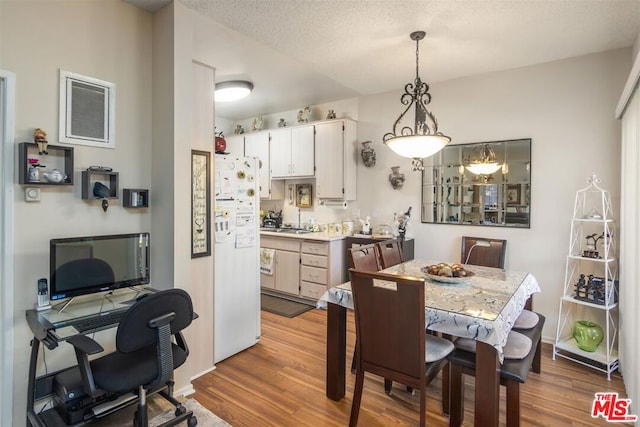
[
  {"x": 365, "y": 258},
  {"x": 390, "y": 252},
  {"x": 84, "y": 272},
  {"x": 483, "y": 251},
  {"x": 136, "y": 331},
  {"x": 389, "y": 314}
]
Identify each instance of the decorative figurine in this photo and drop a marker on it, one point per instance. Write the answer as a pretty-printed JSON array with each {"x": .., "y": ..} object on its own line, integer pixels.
[
  {"x": 403, "y": 222},
  {"x": 331, "y": 115},
  {"x": 101, "y": 191},
  {"x": 257, "y": 123},
  {"x": 592, "y": 247},
  {"x": 396, "y": 178},
  {"x": 239, "y": 130},
  {"x": 40, "y": 138},
  {"x": 220, "y": 143},
  {"x": 366, "y": 225},
  {"x": 282, "y": 123},
  {"x": 304, "y": 115},
  {"x": 34, "y": 172},
  {"x": 368, "y": 154}
]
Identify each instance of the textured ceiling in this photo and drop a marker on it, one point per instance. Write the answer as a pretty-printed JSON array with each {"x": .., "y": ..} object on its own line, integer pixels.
[{"x": 303, "y": 52}]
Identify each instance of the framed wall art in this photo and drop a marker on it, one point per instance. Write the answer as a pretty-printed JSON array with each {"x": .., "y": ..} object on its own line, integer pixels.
[
  {"x": 200, "y": 203},
  {"x": 304, "y": 197},
  {"x": 513, "y": 195}
]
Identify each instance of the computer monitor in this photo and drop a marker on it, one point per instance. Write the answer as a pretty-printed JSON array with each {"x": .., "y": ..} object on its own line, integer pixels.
[{"x": 86, "y": 265}]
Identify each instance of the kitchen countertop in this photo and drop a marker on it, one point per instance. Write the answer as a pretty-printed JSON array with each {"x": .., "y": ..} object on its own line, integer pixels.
[{"x": 320, "y": 235}]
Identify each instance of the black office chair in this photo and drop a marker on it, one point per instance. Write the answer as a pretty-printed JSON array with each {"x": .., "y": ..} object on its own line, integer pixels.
[{"x": 145, "y": 355}]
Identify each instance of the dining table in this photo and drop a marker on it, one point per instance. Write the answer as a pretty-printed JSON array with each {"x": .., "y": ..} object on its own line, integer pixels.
[{"x": 482, "y": 306}]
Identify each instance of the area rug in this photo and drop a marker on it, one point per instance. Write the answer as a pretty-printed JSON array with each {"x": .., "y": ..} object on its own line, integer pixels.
[
  {"x": 205, "y": 417},
  {"x": 281, "y": 306}
]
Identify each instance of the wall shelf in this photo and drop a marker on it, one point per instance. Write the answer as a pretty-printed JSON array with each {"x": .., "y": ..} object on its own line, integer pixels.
[
  {"x": 60, "y": 158},
  {"x": 90, "y": 177},
  {"x": 135, "y": 198}
]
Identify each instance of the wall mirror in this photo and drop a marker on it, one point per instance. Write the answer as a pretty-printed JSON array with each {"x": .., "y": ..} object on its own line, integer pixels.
[
  {"x": 87, "y": 110},
  {"x": 486, "y": 183}
]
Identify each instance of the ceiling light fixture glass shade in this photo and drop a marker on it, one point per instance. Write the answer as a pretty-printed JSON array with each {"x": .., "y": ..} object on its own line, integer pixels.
[
  {"x": 486, "y": 164},
  {"x": 421, "y": 138},
  {"x": 232, "y": 90}
]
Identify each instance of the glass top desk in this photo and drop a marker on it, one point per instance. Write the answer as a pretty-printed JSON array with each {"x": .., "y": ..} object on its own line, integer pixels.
[{"x": 482, "y": 308}]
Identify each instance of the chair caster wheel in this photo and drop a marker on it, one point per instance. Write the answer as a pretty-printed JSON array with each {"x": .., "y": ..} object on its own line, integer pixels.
[
  {"x": 180, "y": 410},
  {"x": 192, "y": 422}
]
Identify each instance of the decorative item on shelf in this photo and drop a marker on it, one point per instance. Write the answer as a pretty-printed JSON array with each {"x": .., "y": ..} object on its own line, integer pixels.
[
  {"x": 101, "y": 191},
  {"x": 592, "y": 246},
  {"x": 368, "y": 154},
  {"x": 304, "y": 115},
  {"x": 34, "y": 171},
  {"x": 40, "y": 138},
  {"x": 593, "y": 214},
  {"x": 54, "y": 176},
  {"x": 220, "y": 143},
  {"x": 396, "y": 178},
  {"x": 403, "y": 221},
  {"x": 421, "y": 138},
  {"x": 256, "y": 125},
  {"x": 366, "y": 225},
  {"x": 331, "y": 115},
  {"x": 588, "y": 335},
  {"x": 239, "y": 130},
  {"x": 282, "y": 123},
  {"x": 383, "y": 231},
  {"x": 593, "y": 289}
]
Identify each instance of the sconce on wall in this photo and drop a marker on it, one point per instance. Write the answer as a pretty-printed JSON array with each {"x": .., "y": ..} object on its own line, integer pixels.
[{"x": 396, "y": 178}]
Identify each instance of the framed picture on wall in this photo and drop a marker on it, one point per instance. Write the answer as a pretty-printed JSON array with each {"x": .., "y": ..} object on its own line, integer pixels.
[
  {"x": 304, "y": 197},
  {"x": 513, "y": 194},
  {"x": 200, "y": 203}
]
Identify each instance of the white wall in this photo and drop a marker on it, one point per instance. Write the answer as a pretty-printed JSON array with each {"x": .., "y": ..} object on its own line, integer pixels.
[
  {"x": 109, "y": 40},
  {"x": 566, "y": 107}
]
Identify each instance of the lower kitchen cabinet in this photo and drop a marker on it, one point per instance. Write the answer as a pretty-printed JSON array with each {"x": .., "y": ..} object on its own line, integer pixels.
[{"x": 304, "y": 268}]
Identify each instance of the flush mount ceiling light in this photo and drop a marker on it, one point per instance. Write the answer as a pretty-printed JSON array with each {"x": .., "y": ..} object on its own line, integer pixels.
[
  {"x": 421, "y": 138},
  {"x": 486, "y": 163},
  {"x": 232, "y": 90}
]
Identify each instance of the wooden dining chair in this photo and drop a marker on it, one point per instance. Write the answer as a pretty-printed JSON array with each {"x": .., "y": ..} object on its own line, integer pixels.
[
  {"x": 390, "y": 335},
  {"x": 365, "y": 258},
  {"x": 390, "y": 252},
  {"x": 483, "y": 251}
]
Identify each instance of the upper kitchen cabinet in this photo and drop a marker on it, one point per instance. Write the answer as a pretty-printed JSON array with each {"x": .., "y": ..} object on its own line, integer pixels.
[
  {"x": 257, "y": 145},
  {"x": 292, "y": 152},
  {"x": 336, "y": 159},
  {"x": 235, "y": 145}
]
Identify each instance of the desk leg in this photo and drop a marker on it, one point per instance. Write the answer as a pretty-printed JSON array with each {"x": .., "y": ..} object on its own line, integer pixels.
[
  {"x": 336, "y": 350},
  {"x": 32, "y": 418},
  {"x": 487, "y": 399}
]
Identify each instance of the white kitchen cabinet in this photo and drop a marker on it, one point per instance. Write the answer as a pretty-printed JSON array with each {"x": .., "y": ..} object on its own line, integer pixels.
[
  {"x": 286, "y": 265},
  {"x": 292, "y": 152},
  {"x": 257, "y": 145},
  {"x": 235, "y": 145},
  {"x": 336, "y": 159}
]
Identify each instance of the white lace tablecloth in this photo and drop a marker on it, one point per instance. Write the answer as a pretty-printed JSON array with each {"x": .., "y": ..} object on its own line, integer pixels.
[{"x": 483, "y": 308}]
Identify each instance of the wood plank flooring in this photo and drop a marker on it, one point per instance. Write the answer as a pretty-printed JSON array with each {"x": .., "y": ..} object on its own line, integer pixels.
[{"x": 281, "y": 382}]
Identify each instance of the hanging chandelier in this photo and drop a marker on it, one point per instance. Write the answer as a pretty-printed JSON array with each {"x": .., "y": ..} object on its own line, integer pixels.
[
  {"x": 421, "y": 138},
  {"x": 486, "y": 163}
]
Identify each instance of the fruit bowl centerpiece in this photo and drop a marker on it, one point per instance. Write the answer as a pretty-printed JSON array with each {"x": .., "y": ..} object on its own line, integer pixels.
[{"x": 445, "y": 273}]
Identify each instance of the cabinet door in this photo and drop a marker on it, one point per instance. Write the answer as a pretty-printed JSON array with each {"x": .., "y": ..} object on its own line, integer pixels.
[
  {"x": 280, "y": 149},
  {"x": 302, "y": 151},
  {"x": 235, "y": 145},
  {"x": 330, "y": 160},
  {"x": 287, "y": 272},
  {"x": 257, "y": 145}
]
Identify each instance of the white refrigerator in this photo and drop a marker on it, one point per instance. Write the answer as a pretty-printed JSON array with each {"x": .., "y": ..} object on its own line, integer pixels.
[{"x": 237, "y": 247}]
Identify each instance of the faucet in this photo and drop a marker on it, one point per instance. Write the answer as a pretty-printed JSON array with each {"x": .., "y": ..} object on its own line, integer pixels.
[{"x": 299, "y": 223}]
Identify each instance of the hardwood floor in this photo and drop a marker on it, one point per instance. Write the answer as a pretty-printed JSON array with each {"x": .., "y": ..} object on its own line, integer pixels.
[{"x": 281, "y": 382}]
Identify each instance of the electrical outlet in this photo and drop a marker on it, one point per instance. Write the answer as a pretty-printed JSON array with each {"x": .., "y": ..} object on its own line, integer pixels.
[{"x": 31, "y": 194}]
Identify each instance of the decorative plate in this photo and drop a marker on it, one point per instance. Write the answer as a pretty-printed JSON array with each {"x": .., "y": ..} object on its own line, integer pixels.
[{"x": 445, "y": 279}]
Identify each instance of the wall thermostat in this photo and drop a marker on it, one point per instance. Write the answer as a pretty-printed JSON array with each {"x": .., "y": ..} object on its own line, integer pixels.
[{"x": 32, "y": 194}]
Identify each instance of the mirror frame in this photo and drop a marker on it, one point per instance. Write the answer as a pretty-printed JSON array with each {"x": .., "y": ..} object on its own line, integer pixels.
[{"x": 506, "y": 199}]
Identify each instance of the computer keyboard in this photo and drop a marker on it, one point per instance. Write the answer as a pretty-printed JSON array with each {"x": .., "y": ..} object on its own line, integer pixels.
[{"x": 98, "y": 321}]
